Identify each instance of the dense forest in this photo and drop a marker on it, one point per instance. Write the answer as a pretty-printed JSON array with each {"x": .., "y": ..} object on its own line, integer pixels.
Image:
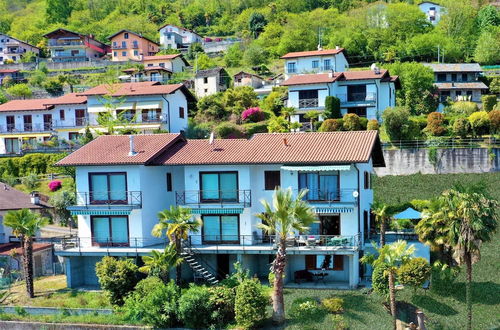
[{"x": 383, "y": 31}]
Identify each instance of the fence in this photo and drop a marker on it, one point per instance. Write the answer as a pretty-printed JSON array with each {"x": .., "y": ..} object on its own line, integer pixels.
[{"x": 444, "y": 143}]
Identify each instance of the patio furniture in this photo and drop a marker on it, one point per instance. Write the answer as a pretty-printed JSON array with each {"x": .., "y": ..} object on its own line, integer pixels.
[
  {"x": 303, "y": 275},
  {"x": 290, "y": 242},
  {"x": 320, "y": 276},
  {"x": 312, "y": 241},
  {"x": 302, "y": 240}
]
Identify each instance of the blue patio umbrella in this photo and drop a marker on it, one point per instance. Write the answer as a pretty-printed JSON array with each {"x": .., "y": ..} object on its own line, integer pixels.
[{"x": 409, "y": 213}]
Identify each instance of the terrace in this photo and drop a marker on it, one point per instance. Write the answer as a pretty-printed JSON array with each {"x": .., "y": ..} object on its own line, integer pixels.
[{"x": 221, "y": 198}]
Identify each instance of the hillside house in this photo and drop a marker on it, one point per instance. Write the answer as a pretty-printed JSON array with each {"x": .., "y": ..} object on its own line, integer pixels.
[
  {"x": 149, "y": 73},
  {"x": 13, "y": 49},
  {"x": 13, "y": 74},
  {"x": 316, "y": 61},
  {"x": 130, "y": 46},
  {"x": 172, "y": 62},
  {"x": 432, "y": 11},
  {"x": 211, "y": 81},
  {"x": 248, "y": 79},
  {"x": 175, "y": 37},
  {"x": 68, "y": 46}
]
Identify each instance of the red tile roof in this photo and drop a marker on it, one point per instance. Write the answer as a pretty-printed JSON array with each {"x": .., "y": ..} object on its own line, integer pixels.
[
  {"x": 160, "y": 57},
  {"x": 8, "y": 249},
  {"x": 26, "y": 105},
  {"x": 309, "y": 79},
  {"x": 13, "y": 199},
  {"x": 71, "y": 98},
  {"x": 313, "y": 53},
  {"x": 131, "y": 89},
  {"x": 8, "y": 70},
  {"x": 156, "y": 68},
  {"x": 282, "y": 148},
  {"x": 365, "y": 74},
  {"x": 114, "y": 149},
  {"x": 132, "y": 32}
]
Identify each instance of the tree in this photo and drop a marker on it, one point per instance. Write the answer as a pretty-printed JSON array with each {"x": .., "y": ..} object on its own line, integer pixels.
[
  {"x": 382, "y": 214},
  {"x": 414, "y": 273},
  {"x": 488, "y": 16},
  {"x": 60, "y": 201},
  {"x": 287, "y": 214},
  {"x": 20, "y": 91},
  {"x": 278, "y": 124},
  {"x": 194, "y": 49},
  {"x": 351, "y": 122},
  {"x": 494, "y": 116},
  {"x": 233, "y": 55},
  {"x": 159, "y": 263},
  {"x": 176, "y": 222},
  {"x": 59, "y": 11},
  {"x": 3, "y": 98},
  {"x": 240, "y": 98},
  {"x": 435, "y": 122},
  {"x": 479, "y": 122},
  {"x": 332, "y": 108},
  {"x": 312, "y": 115},
  {"x": 255, "y": 55},
  {"x": 488, "y": 46},
  {"x": 25, "y": 224},
  {"x": 392, "y": 257},
  {"x": 256, "y": 24},
  {"x": 203, "y": 62},
  {"x": 396, "y": 122},
  {"x": 472, "y": 219},
  {"x": 117, "y": 277},
  {"x": 489, "y": 102},
  {"x": 87, "y": 136},
  {"x": 288, "y": 112}
]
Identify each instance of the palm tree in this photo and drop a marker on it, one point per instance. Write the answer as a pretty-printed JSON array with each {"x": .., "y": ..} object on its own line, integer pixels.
[
  {"x": 473, "y": 220},
  {"x": 391, "y": 256},
  {"x": 177, "y": 223},
  {"x": 288, "y": 112},
  {"x": 286, "y": 215},
  {"x": 312, "y": 115},
  {"x": 25, "y": 224},
  {"x": 382, "y": 214},
  {"x": 160, "y": 263}
]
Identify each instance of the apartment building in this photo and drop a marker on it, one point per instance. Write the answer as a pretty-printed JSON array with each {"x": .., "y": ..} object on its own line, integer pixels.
[
  {"x": 172, "y": 62},
  {"x": 316, "y": 61},
  {"x": 12, "y": 49},
  {"x": 130, "y": 46},
  {"x": 69, "y": 46},
  {"x": 175, "y": 37},
  {"x": 366, "y": 93}
]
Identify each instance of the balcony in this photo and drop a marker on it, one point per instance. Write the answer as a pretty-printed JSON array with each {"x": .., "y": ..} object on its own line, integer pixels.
[
  {"x": 357, "y": 99},
  {"x": 214, "y": 198},
  {"x": 317, "y": 196},
  {"x": 27, "y": 128},
  {"x": 118, "y": 47},
  {"x": 65, "y": 43},
  {"x": 109, "y": 198},
  {"x": 308, "y": 103}
]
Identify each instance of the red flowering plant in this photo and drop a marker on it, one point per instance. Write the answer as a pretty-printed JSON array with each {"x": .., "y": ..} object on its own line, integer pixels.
[
  {"x": 252, "y": 115},
  {"x": 55, "y": 185}
]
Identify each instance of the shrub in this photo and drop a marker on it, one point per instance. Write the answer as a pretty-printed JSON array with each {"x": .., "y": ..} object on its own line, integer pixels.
[
  {"x": 227, "y": 130},
  {"x": 306, "y": 309},
  {"x": 463, "y": 108},
  {"x": 435, "y": 126},
  {"x": 372, "y": 125},
  {"x": 338, "y": 322},
  {"x": 351, "y": 122},
  {"x": 489, "y": 102},
  {"x": 30, "y": 181},
  {"x": 494, "y": 116},
  {"x": 55, "y": 185},
  {"x": 222, "y": 300},
  {"x": 195, "y": 307},
  {"x": 363, "y": 123},
  {"x": 414, "y": 273},
  {"x": 461, "y": 127},
  {"x": 396, "y": 122},
  {"x": 332, "y": 108},
  {"x": 380, "y": 281},
  {"x": 250, "y": 304},
  {"x": 117, "y": 278},
  {"x": 333, "y": 305},
  {"x": 479, "y": 122},
  {"x": 253, "y": 128},
  {"x": 278, "y": 124},
  {"x": 60, "y": 201},
  {"x": 153, "y": 303},
  {"x": 331, "y": 125},
  {"x": 253, "y": 115}
]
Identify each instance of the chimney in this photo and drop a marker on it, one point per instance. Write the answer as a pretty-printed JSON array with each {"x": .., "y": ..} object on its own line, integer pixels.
[
  {"x": 337, "y": 47},
  {"x": 132, "y": 151},
  {"x": 285, "y": 142},
  {"x": 331, "y": 73},
  {"x": 35, "y": 198},
  {"x": 319, "y": 47}
]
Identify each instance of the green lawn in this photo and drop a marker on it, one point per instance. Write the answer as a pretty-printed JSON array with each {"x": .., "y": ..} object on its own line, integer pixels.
[{"x": 43, "y": 186}]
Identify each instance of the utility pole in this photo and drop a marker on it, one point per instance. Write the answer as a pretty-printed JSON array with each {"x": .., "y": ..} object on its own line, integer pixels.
[{"x": 438, "y": 52}]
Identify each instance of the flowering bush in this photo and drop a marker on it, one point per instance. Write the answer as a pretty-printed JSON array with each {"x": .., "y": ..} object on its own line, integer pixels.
[
  {"x": 55, "y": 185},
  {"x": 253, "y": 115}
]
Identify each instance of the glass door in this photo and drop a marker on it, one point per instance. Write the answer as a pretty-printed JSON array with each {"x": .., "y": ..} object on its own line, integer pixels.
[{"x": 219, "y": 186}]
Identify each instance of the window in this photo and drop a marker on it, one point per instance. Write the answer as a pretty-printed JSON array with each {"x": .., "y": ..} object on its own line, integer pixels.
[
  {"x": 325, "y": 262},
  {"x": 28, "y": 126},
  {"x": 356, "y": 93},
  {"x": 366, "y": 225},
  {"x": 169, "y": 181},
  {"x": 315, "y": 64},
  {"x": 74, "y": 136},
  {"x": 128, "y": 115},
  {"x": 109, "y": 230},
  {"x": 114, "y": 43},
  {"x": 327, "y": 64},
  {"x": 124, "y": 44},
  {"x": 162, "y": 65},
  {"x": 441, "y": 77},
  {"x": 271, "y": 180},
  {"x": 291, "y": 67},
  {"x": 12, "y": 145},
  {"x": 221, "y": 228},
  {"x": 61, "y": 114},
  {"x": 453, "y": 77},
  {"x": 367, "y": 180},
  {"x": 124, "y": 53},
  {"x": 115, "y": 54},
  {"x": 360, "y": 111},
  {"x": 11, "y": 123},
  {"x": 216, "y": 186},
  {"x": 205, "y": 91},
  {"x": 464, "y": 77},
  {"x": 322, "y": 186},
  {"x": 136, "y": 53},
  {"x": 108, "y": 187},
  {"x": 181, "y": 112},
  {"x": 125, "y": 35},
  {"x": 205, "y": 80},
  {"x": 469, "y": 93}
]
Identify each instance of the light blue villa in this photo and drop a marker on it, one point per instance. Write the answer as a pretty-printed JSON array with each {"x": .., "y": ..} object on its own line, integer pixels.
[{"x": 122, "y": 182}]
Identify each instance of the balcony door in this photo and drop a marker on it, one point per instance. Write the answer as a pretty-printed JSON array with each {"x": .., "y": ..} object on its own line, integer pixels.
[
  {"x": 80, "y": 117},
  {"x": 12, "y": 145},
  {"x": 11, "y": 123},
  {"x": 221, "y": 228},
  {"x": 108, "y": 230},
  {"x": 308, "y": 98},
  {"x": 28, "y": 124},
  {"x": 108, "y": 188},
  {"x": 47, "y": 122},
  {"x": 322, "y": 186},
  {"x": 356, "y": 93},
  {"x": 219, "y": 186}
]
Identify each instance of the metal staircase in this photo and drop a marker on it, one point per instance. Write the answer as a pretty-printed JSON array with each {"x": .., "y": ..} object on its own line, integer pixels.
[{"x": 201, "y": 271}]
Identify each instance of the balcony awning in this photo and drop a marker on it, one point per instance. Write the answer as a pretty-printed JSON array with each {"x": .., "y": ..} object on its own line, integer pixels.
[
  {"x": 317, "y": 168},
  {"x": 118, "y": 106},
  {"x": 230, "y": 210},
  {"x": 148, "y": 105},
  {"x": 333, "y": 210},
  {"x": 25, "y": 135},
  {"x": 82, "y": 210}
]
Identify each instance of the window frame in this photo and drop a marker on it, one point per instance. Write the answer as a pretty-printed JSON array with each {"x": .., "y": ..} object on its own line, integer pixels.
[
  {"x": 203, "y": 200},
  {"x": 337, "y": 266},
  {"x": 220, "y": 229},
  {"x": 109, "y": 200},
  {"x": 168, "y": 177},
  {"x": 62, "y": 114},
  {"x": 94, "y": 243},
  {"x": 270, "y": 180},
  {"x": 181, "y": 112},
  {"x": 337, "y": 198}
]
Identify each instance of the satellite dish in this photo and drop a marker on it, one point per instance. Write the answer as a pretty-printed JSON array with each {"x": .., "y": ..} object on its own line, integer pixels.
[{"x": 355, "y": 194}]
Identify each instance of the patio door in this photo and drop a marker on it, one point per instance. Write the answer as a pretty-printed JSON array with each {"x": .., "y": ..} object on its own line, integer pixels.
[
  {"x": 330, "y": 224},
  {"x": 47, "y": 122},
  {"x": 108, "y": 230},
  {"x": 80, "y": 117},
  {"x": 221, "y": 228},
  {"x": 11, "y": 123},
  {"x": 222, "y": 265}
]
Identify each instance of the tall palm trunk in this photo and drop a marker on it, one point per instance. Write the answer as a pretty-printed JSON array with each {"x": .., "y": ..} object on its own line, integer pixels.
[
  {"x": 178, "y": 269},
  {"x": 382, "y": 232},
  {"x": 392, "y": 297},
  {"x": 279, "y": 269},
  {"x": 468, "y": 263},
  {"x": 28, "y": 265}
]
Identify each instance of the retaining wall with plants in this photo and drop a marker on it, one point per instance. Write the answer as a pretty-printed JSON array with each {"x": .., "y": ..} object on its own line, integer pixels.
[{"x": 440, "y": 161}]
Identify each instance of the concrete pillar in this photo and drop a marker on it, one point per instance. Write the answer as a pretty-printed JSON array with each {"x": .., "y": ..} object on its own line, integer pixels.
[{"x": 353, "y": 265}]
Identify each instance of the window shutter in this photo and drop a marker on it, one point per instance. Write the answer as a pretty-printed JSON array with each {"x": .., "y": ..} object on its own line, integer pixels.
[
  {"x": 338, "y": 262},
  {"x": 310, "y": 262}
]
